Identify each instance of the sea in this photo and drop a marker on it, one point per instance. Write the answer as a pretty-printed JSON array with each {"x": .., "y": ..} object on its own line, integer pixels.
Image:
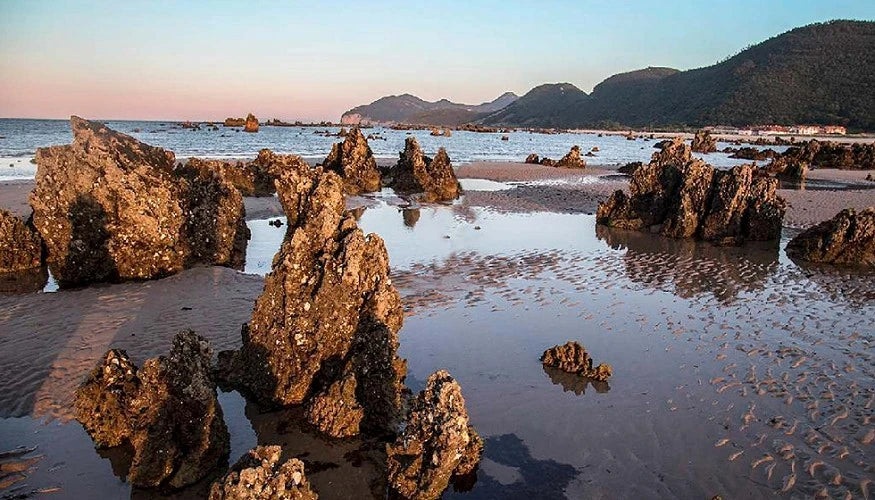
[{"x": 20, "y": 138}]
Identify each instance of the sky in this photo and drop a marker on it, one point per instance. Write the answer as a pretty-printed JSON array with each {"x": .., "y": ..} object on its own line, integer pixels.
[{"x": 311, "y": 61}]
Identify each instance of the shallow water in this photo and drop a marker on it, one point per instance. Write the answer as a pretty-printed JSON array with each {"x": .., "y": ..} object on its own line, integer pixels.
[{"x": 708, "y": 344}]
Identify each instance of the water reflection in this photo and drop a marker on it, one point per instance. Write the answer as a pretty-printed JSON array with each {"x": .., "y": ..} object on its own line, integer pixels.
[
  {"x": 693, "y": 268},
  {"x": 571, "y": 382},
  {"x": 509, "y": 471}
]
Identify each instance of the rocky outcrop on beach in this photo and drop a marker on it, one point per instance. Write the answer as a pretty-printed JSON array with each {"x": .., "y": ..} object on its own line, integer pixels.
[
  {"x": 324, "y": 331},
  {"x": 573, "y": 358},
  {"x": 437, "y": 442},
  {"x": 416, "y": 173},
  {"x": 167, "y": 410},
  {"x": 110, "y": 207},
  {"x": 829, "y": 154},
  {"x": 703, "y": 142},
  {"x": 788, "y": 168},
  {"x": 251, "y": 124},
  {"x": 547, "y": 162},
  {"x": 532, "y": 158},
  {"x": 749, "y": 153},
  {"x": 354, "y": 162},
  {"x": 20, "y": 246},
  {"x": 572, "y": 159},
  {"x": 683, "y": 197},
  {"x": 630, "y": 168},
  {"x": 259, "y": 474},
  {"x": 846, "y": 239},
  {"x": 266, "y": 167}
]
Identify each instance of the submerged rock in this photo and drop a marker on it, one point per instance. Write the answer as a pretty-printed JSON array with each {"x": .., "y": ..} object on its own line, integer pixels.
[
  {"x": 846, "y": 239},
  {"x": 703, "y": 142},
  {"x": 572, "y": 159},
  {"x": 532, "y": 158},
  {"x": 21, "y": 248},
  {"x": 251, "y": 124},
  {"x": 110, "y": 207},
  {"x": 683, "y": 197},
  {"x": 417, "y": 173},
  {"x": 437, "y": 443},
  {"x": 167, "y": 411},
  {"x": 328, "y": 318},
  {"x": 259, "y": 474},
  {"x": 354, "y": 162},
  {"x": 573, "y": 358}
]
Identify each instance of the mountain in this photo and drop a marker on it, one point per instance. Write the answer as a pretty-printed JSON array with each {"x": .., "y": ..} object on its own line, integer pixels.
[
  {"x": 820, "y": 74},
  {"x": 411, "y": 109}
]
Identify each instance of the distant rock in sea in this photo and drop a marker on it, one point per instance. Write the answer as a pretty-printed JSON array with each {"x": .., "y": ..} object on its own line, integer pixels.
[
  {"x": 846, "y": 239},
  {"x": 251, "y": 124},
  {"x": 683, "y": 197},
  {"x": 110, "y": 208},
  {"x": 572, "y": 159},
  {"x": 704, "y": 143}
]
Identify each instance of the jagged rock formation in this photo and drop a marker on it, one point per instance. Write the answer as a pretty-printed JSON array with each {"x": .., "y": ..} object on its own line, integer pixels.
[
  {"x": 682, "y": 197},
  {"x": 788, "y": 167},
  {"x": 846, "y": 239},
  {"x": 532, "y": 158},
  {"x": 547, "y": 162},
  {"x": 704, "y": 143},
  {"x": 110, "y": 207},
  {"x": 258, "y": 475},
  {"x": 437, "y": 442},
  {"x": 828, "y": 154},
  {"x": 750, "y": 153},
  {"x": 236, "y": 173},
  {"x": 354, "y": 162},
  {"x": 251, "y": 124},
  {"x": 573, "y": 358},
  {"x": 572, "y": 159},
  {"x": 326, "y": 325},
  {"x": 234, "y": 122},
  {"x": 266, "y": 167},
  {"x": 20, "y": 246},
  {"x": 417, "y": 173},
  {"x": 167, "y": 411}
]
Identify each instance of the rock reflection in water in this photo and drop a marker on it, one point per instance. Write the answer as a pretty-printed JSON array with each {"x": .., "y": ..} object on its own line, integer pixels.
[
  {"x": 693, "y": 268},
  {"x": 509, "y": 471},
  {"x": 572, "y": 382}
]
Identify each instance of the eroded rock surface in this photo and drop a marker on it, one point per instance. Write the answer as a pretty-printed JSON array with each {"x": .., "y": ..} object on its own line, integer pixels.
[
  {"x": 167, "y": 411},
  {"x": 417, "y": 173},
  {"x": 354, "y": 162},
  {"x": 260, "y": 475},
  {"x": 110, "y": 207},
  {"x": 532, "y": 158},
  {"x": 846, "y": 239},
  {"x": 828, "y": 154},
  {"x": 573, "y": 358},
  {"x": 437, "y": 442},
  {"x": 703, "y": 142},
  {"x": 251, "y": 124},
  {"x": 572, "y": 159},
  {"x": 326, "y": 324},
  {"x": 683, "y": 197},
  {"x": 20, "y": 246}
]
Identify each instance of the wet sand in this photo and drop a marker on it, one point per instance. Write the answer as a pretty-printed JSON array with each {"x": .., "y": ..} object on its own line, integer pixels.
[{"x": 737, "y": 371}]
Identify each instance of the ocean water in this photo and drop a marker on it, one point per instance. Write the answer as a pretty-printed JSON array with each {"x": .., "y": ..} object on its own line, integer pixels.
[{"x": 19, "y": 139}]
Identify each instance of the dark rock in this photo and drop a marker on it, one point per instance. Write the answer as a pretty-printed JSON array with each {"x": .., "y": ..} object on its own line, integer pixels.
[
  {"x": 749, "y": 153},
  {"x": 328, "y": 312},
  {"x": 110, "y": 207},
  {"x": 437, "y": 443},
  {"x": 846, "y": 239},
  {"x": 572, "y": 159},
  {"x": 259, "y": 475},
  {"x": 236, "y": 173},
  {"x": 505, "y": 138},
  {"x": 335, "y": 411},
  {"x": 828, "y": 154},
  {"x": 276, "y": 223},
  {"x": 704, "y": 143},
  {"x": 789, "y": 168},
  {"x": 20, "y": 246},
  {"x": 532, "y": 158},
  {"x": 354, "y": 162},
  {"x": 417, "y": 173},
  {"x": 251, "y": 124},
  {"x": 684, "y": 197},
  {"x": 630, "y": 168},
  {"x": 547, "y": 162},
  {"x": 573, "y": 358},
  {"x": 661, "y": 144},
  {"x": 167, "y": 411},
  {"x": 870, "y": 178}
]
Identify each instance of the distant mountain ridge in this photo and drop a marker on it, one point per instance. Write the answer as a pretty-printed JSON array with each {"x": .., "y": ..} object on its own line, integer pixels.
[
  {"x": 407, "y": 108},
  {"x": 822, "y": 74}
]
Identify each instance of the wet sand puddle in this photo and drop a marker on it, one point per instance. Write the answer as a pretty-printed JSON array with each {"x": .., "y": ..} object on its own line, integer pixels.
[{"x": 736, "y": 372}]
